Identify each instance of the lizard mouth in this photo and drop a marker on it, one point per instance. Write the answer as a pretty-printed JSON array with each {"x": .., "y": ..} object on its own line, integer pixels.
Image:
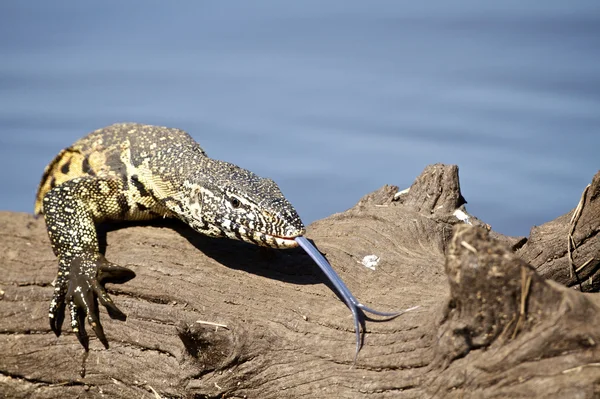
[
  {"x": 269, "y": 240},
  {"x": 244, "y": 233}
]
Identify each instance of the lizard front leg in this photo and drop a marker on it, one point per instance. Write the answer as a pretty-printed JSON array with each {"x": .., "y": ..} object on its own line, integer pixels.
[{"x": 71, "y": 210}]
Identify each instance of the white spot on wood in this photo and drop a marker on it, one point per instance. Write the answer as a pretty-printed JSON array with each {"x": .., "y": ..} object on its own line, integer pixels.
[
  {"x": 371, "y": 261},
  {"x": 462, "y": 216},
  {"x": 401, "y": 193}
]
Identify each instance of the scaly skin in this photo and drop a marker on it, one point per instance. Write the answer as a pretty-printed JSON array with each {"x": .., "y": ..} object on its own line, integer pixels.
[{"x": 141, "y": 172}]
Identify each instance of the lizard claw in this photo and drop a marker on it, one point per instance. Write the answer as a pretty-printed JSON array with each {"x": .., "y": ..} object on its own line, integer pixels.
[
  {"x": 83, "y": 301},
  {"x": 57, "y": 309},
  {"x": 77, "y": 324},
  {"x": 83, "y": 289}
]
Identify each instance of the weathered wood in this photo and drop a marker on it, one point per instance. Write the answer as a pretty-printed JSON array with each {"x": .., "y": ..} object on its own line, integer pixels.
[
  {"x": 508, "y": 332},
  {"x": 287, "y": 334},
  {"x": 548, "y": 251}
]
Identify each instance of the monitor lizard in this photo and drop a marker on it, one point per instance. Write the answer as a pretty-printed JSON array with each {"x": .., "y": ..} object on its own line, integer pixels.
[{"x": 131, "y": 171}]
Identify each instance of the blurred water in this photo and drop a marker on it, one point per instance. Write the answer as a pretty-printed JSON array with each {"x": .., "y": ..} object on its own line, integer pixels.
[{"x": 332, "y": 99}]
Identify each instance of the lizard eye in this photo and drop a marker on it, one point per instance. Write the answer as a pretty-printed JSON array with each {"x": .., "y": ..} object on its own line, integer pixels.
[{"x": 235, "y": 202}]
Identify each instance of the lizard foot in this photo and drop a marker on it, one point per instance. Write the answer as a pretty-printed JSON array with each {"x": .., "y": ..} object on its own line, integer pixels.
[{"x": 83, "y": 288}]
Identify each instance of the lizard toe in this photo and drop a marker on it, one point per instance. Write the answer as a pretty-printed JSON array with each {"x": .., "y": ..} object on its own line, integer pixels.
[
  {"x": 113, "y": 311},
  {"x": 78, "y": 325},
  {"x": 110, "y": 273},
  {"x": 84, "y": 293},
  {"x": 56, "y": 314}
]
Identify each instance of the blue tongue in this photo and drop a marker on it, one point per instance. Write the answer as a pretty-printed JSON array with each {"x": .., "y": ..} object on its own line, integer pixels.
[{"x": 344, "y": 292}]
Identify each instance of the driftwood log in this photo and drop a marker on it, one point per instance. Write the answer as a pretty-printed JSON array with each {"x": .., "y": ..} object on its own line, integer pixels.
[{"x": 491, "y": 322}]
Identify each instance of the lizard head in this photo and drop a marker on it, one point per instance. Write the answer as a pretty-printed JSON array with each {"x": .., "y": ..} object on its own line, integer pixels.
[{"x": 236, "y": 203}]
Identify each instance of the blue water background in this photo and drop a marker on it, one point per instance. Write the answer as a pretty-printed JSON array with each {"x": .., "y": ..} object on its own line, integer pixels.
[{"x": 332, "y": 99}]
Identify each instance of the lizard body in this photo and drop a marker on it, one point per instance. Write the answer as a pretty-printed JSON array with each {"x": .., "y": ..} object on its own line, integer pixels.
[{"x": 139, "y": 172}]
